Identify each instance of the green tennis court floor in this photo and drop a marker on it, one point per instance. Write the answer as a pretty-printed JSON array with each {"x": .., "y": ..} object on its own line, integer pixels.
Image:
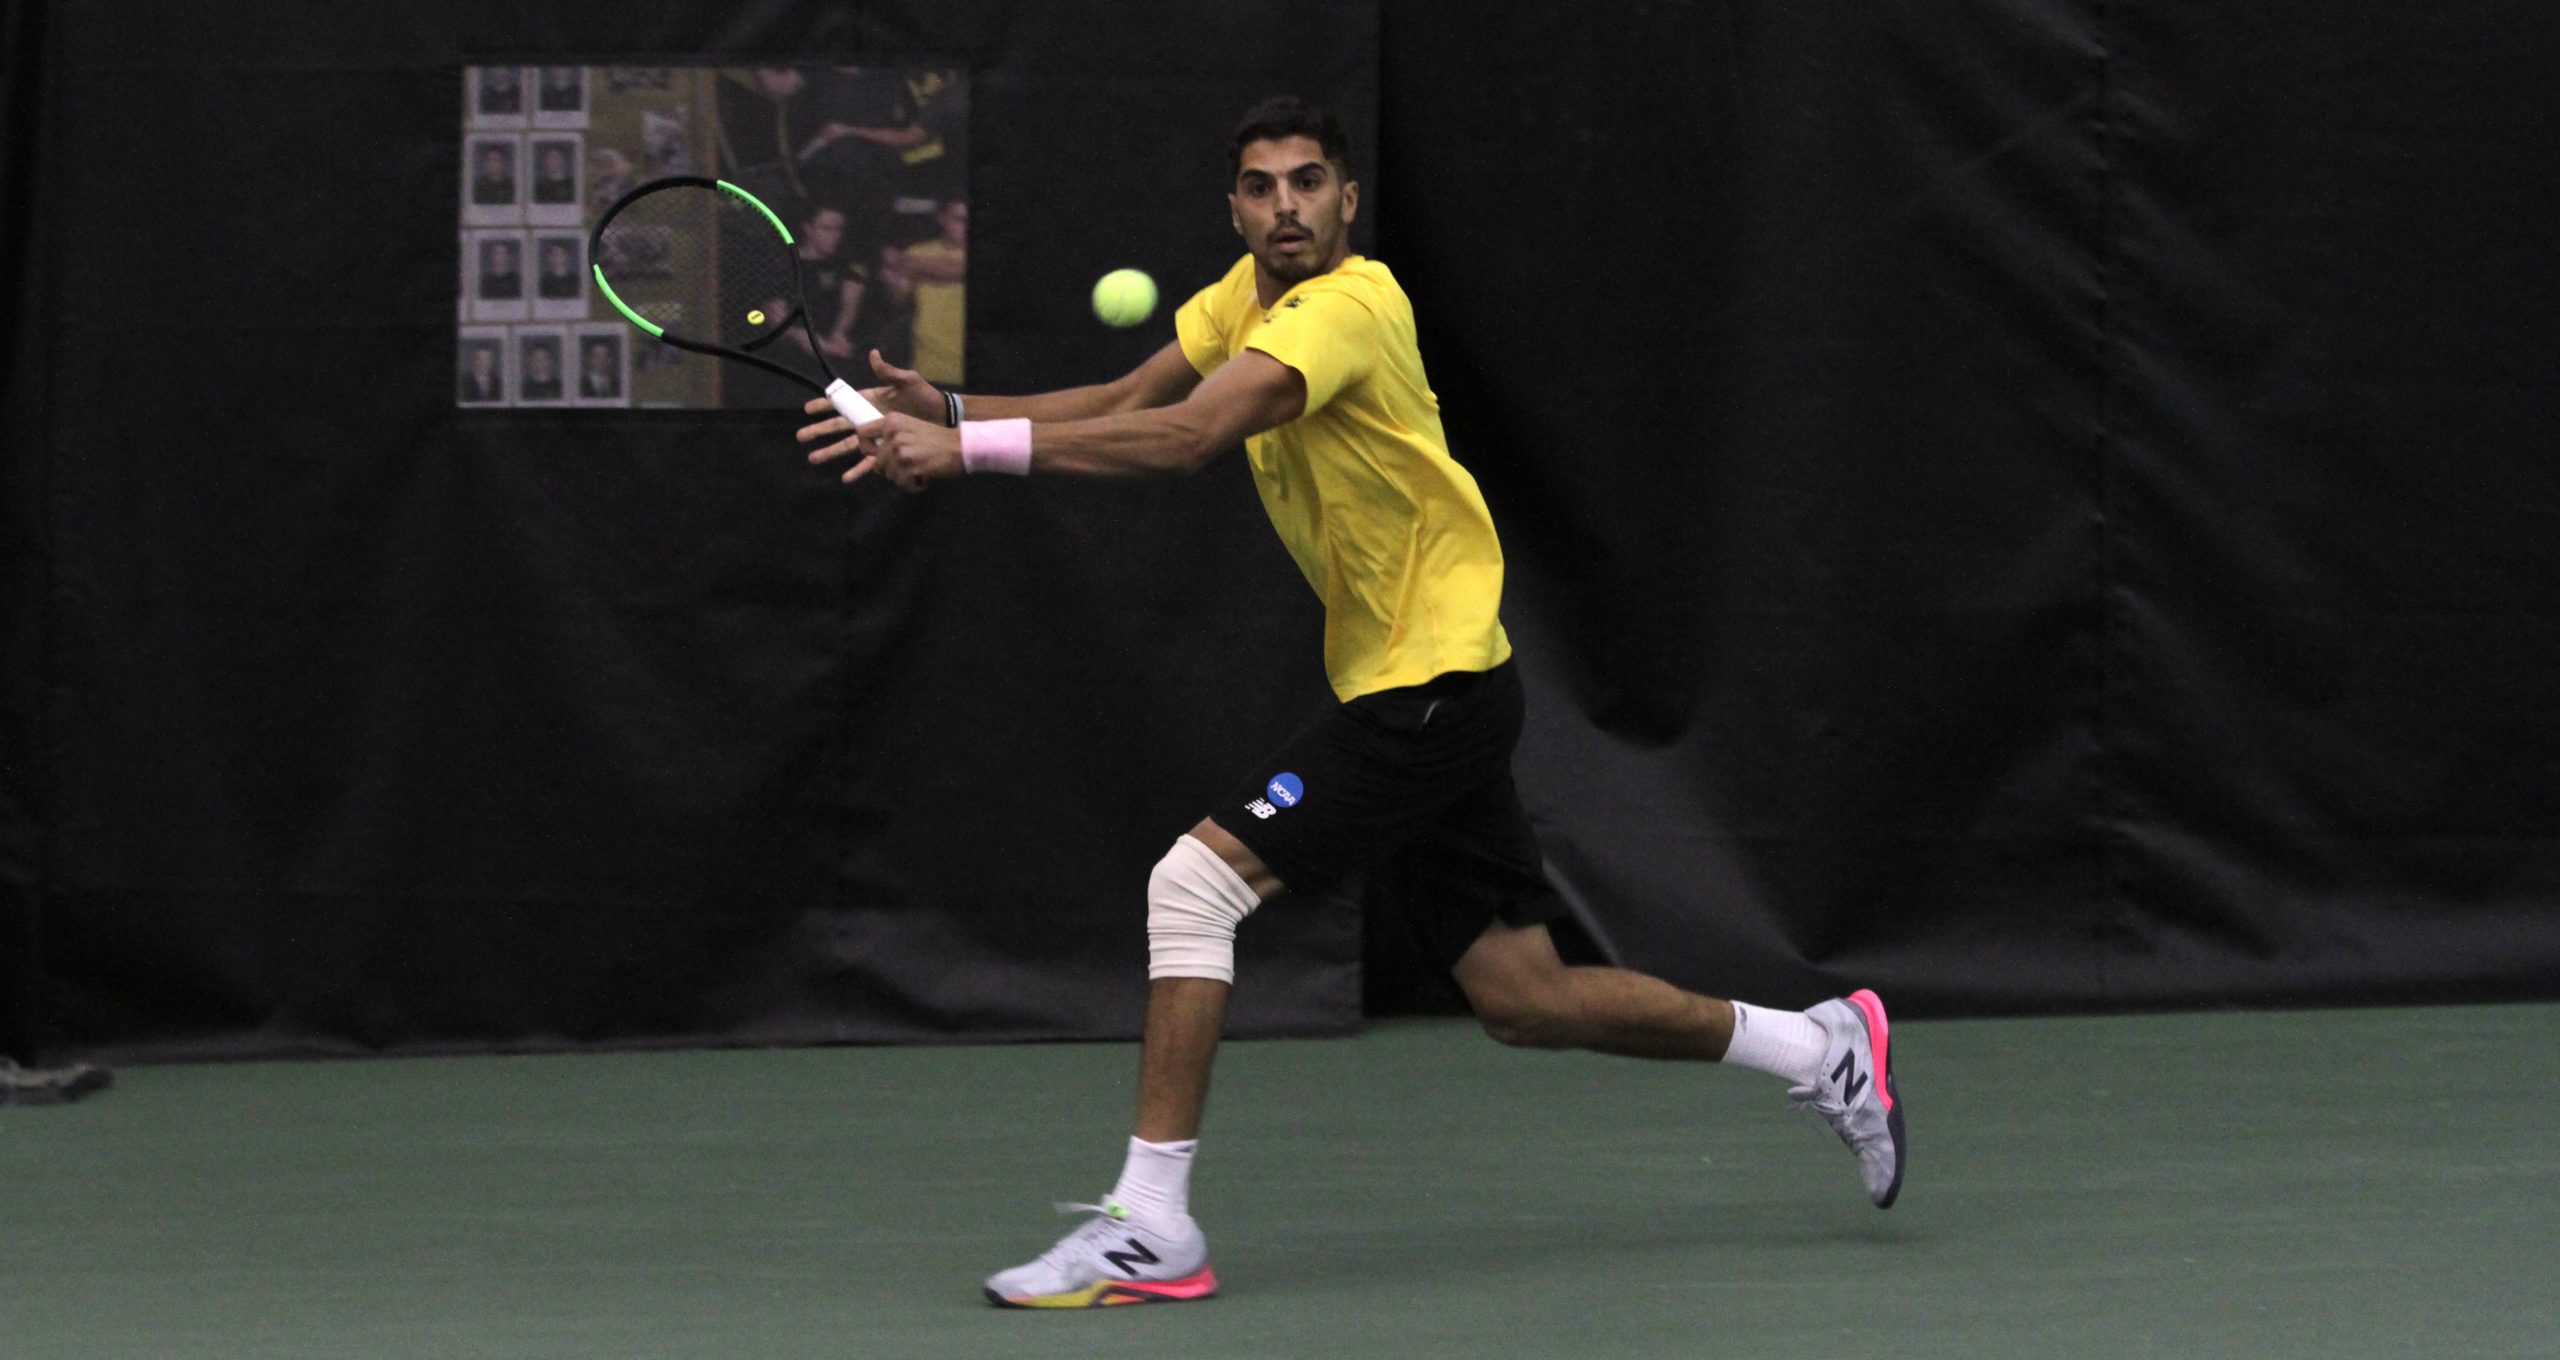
[{"x": 2328, "y": 1184}]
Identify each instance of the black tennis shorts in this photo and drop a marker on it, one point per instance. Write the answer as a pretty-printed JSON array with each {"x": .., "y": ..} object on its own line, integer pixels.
[{"x": 1414, "y": 781}]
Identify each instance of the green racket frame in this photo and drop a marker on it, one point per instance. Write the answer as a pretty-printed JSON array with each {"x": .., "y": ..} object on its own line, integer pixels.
[{"x": 744, "y": 354}]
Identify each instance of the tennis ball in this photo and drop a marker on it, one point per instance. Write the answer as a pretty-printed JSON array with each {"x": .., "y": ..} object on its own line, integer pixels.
[
  {"x": 1124, "y": 297},
  {"x": 755, "y": 318}
]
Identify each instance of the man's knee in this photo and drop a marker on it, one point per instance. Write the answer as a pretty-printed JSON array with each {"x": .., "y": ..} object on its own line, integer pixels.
[
  {"x": 1522, "y": 1012},
  {"x": 1194, "y": 900},
  {"x": 1528, "y": 1022},
  {"x": 1521, "y": 1027},
  {"x": 1517, "y": 987}
]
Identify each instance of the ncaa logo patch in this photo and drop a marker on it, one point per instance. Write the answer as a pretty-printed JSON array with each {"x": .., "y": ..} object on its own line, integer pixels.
[{"x": 1286, "y": 790}]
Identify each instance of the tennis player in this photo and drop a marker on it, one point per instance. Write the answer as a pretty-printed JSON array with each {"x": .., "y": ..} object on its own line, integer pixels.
[{"x": 1305, "y": 353}]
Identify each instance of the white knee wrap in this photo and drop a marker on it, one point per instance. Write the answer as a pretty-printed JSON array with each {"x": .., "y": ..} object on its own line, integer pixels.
[{"x": 1193, "y": 903}]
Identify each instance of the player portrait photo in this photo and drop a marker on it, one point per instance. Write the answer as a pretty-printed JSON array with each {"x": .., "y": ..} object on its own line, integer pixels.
[
  {"x": 541, "y": 369},
  {"x": 482, "y": 376},
  {"x": 559, "y": 277},
  {"x": 497, "y": 96},
  {"x": 501, "y": 269},
  {"x": 602, "y": 378},
  {"x": 498, "y": 284},
  {"x": 493, "y": 182},
  {"x": 493, "y": 174},
  {"x": 560, "y": 97},
  {"x": 552, "y": 198}
]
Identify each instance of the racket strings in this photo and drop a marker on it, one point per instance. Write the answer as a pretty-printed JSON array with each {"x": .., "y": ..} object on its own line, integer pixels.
[
  {"x": 759, "y": 280},
  {"x": 702, "y": 265}
]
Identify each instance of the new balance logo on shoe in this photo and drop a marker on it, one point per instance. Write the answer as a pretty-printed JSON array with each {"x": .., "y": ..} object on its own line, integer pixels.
[
  {"x": 1851, "y": 1080},
  {"x": 1136, "y": 1255}
]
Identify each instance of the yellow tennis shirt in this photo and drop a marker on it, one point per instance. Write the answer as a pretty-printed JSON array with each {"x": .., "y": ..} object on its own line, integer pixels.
[{"x": 1390, "y": 531}]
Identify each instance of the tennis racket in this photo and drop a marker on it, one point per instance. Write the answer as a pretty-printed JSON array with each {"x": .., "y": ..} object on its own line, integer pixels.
[{"x": 705, "y": 266}]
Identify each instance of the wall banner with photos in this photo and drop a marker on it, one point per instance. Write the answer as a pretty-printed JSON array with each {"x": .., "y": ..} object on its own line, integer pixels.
[{"x": 868, "y": 165}]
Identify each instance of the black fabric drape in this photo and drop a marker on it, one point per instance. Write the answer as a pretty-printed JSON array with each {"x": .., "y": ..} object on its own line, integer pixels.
[
  {"x": 25, "y": 37},
  {"x": 388, "y": 725},
  {"x": 2032, "y": 506},
  {"x": 2036, "y": 506}
]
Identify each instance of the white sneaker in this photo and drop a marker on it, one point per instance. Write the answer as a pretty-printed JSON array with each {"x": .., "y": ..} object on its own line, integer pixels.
[
  {"x": 1855, "y": 1094},
  {"x": 1110, "y": 1260}
]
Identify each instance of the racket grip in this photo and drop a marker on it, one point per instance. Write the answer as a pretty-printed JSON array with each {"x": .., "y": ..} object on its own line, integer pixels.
[{"x": 850, "y": 404}]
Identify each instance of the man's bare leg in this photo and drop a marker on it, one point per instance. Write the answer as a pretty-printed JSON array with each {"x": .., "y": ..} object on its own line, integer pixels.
[
  {"x": 1185, "y": 1017},
  {"x": 1144, "y": 1246},
  {"x": 1525, "y": 994},
  {"x": 1834, "y": 1057}
]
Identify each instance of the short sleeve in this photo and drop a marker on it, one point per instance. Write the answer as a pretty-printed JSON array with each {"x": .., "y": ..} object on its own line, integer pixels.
[
  {"x": 1203, "y": 340},
  {"x": 1328, "y": 336}
]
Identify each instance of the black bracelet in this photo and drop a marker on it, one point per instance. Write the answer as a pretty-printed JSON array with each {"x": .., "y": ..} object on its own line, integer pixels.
[{"x": 951, "y": 409}]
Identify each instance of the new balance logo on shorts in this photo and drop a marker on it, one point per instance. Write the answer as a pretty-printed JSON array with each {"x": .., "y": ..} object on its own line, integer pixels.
[{"x": 1260, "y": 809}]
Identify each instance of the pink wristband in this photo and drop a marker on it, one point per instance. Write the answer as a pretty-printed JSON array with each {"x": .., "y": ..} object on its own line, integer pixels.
[{"x": 996, "y": 446}]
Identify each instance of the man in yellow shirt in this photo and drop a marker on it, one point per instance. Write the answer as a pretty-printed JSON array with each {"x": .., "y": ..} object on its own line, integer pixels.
[{"x": 1306, "y": 353}]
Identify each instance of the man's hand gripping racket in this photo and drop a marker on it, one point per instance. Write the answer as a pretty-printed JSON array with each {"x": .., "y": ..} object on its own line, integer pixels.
[{"x": 909, "y": 444}]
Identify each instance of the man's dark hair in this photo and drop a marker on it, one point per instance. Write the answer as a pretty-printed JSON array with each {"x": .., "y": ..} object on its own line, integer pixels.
[{"x": 1284, "y": 116}]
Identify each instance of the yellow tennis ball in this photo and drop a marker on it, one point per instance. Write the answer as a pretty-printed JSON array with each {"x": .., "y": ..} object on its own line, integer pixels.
[
  {"x": 1124, "y": 297},
  {"x": 755, "y": 318}
]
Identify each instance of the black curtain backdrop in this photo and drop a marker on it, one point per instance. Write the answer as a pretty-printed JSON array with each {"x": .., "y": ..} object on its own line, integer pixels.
[
  {"x": 2030, "y": 506},
  {"x": 390, "y": 726},
  {"x": 24, "y": 39},
  {"x": 2033, "y": 506}
]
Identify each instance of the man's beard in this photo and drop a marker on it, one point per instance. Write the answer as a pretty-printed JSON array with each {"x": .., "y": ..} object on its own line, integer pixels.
[{"x": 1304, "y": 266}]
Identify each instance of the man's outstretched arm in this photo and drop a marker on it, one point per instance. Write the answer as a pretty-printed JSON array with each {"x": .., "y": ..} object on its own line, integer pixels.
[
  {"x": 1165, "y": 378},
  {"x": 1248, "y": 395}
]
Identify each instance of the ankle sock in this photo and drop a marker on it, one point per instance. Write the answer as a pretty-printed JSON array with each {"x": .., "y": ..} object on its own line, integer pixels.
[
  {"x": 1781, "y": 1043},
  {"x": 1155, "y": 1182}
]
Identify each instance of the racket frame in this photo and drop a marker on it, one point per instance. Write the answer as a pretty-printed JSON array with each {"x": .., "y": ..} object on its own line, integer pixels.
[{"x": 742, "y": 354}]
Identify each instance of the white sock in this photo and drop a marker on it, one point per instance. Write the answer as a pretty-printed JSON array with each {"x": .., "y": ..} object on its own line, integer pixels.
[
  {"x": 1781, "y": 1043},
  {"x": 1155, "y": 1183}
]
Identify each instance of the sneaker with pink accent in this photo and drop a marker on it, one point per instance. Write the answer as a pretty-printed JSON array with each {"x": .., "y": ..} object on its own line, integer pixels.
[
  {"x": 1855, "y": 1093},
  {"x": 1110, "y": 1260}
]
